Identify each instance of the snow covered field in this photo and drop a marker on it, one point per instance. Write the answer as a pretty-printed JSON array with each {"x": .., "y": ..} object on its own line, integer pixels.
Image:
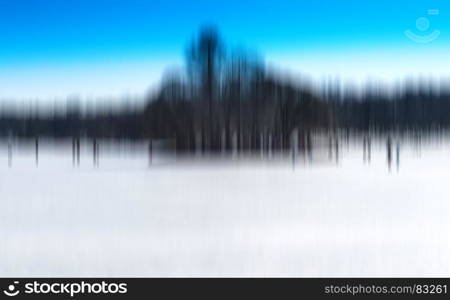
[{"x": 239, "y": 218}]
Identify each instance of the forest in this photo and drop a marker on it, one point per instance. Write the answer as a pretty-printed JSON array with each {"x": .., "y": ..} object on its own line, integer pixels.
[{"x": 225, "y": 99}]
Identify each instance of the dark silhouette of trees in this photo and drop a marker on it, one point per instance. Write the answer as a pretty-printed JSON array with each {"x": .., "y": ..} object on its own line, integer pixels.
[
  {"x": 414, "y": 109},
  {"x": 229, "y": 101},
  {"x": 223, "y": 100}
]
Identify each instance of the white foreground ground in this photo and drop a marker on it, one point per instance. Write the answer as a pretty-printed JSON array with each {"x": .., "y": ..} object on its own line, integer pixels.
[{"x": 226, "y": 218}]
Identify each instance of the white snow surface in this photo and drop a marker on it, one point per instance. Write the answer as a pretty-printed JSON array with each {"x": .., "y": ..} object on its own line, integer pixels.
[{"x": 225, "y": 218}]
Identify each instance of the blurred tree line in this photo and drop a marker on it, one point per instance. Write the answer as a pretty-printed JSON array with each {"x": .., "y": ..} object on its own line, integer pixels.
[
  {"x": 227, "y": 99},
  {"x": 417, "y": 106},
  {"x": 222, "y": 100}
]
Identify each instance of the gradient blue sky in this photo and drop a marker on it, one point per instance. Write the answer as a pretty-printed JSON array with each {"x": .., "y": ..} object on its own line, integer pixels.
[{"x": 93, "y": 48}]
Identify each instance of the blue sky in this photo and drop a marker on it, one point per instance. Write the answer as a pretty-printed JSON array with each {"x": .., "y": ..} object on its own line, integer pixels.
[{"x": 92, "y": 48}]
